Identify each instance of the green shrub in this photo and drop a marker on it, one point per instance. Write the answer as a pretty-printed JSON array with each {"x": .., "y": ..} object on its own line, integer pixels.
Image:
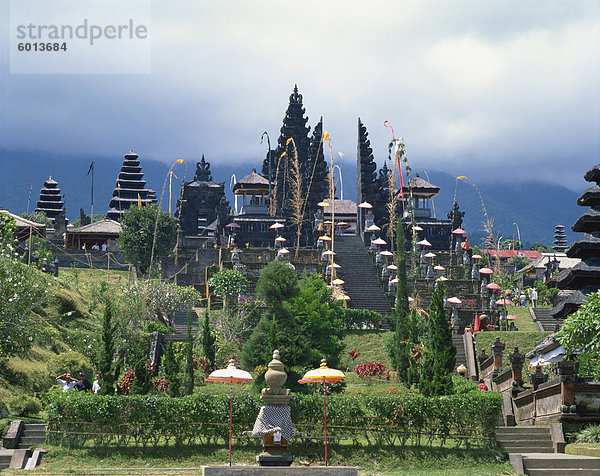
[
  {"x": 24, "y": 405},
  {"x": 361, "y": 318},
  {"x": 70, "y": 362},
  {"x": 591, "y": 434}
]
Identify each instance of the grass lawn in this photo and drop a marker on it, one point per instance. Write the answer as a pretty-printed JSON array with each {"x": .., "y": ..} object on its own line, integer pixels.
[{"x": 370, "y": 461}]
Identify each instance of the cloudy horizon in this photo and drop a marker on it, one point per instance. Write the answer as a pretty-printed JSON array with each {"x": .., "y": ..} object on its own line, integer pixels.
[{"x": 494, "y": 90}]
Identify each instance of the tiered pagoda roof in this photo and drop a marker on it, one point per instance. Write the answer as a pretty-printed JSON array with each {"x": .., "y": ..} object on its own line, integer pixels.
[
  {"x": 584, "y": 276},
  {"x": 560, "y": 239},
  {"x": 50, "y": 202},
  {"x": 130, "y": 188}
]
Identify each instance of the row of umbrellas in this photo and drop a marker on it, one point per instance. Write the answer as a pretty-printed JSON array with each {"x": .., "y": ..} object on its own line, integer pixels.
[{"x": 231, "y": 374}]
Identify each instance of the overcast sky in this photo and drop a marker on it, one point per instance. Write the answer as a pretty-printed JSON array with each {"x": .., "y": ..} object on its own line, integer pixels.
[{"x": 489, "y": 89}]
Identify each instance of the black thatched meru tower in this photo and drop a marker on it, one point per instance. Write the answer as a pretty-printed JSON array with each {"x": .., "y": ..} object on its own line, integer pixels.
[
  {"x": 50, "y": 202},
  {"x": 294, "y": 126},
  {"x": 130, "y": 188},
  {"x": 584, "y": 277},
  {"x": 560, "y": 239},
  {"x": 366, "y": 178},
  {"x": 317, "y": 169}
]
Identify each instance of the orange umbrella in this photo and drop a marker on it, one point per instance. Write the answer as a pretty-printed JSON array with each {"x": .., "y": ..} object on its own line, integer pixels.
[
  {"x": 230, "y": 374},
  {"x": 326, "y": 375}
]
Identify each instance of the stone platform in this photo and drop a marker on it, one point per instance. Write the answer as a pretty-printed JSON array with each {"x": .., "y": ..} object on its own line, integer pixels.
[{"x": 280, "y": 471}]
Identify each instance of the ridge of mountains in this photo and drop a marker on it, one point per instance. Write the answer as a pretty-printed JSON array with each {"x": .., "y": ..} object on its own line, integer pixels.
[{"x": 535, "y": 207}]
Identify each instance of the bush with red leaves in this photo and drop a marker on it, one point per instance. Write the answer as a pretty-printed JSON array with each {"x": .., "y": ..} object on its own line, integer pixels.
[{"x": 372, "y": 369}]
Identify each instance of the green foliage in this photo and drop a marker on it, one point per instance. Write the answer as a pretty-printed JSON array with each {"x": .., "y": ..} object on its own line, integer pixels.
[
  {"x": 24, "y": 406},
  {"x": 156, "y": 419},
  {"x": 277, "y": 283},
  {"x": 141, "y": 382},
  {"x": 546, "y": 295},
  {"x": 485, "y": 259},
  {"x": 591, "y": 434},
  {"x": 208, "y": 341},
  {"x": 22, "y": 288},
  {"x": 228, "y": 283},
  {"x": 359, "y": 318},
  {"x": 402, "y": 289},
  {"x": 439, "y": 350},
  {"x": 107, "y": 368},
  {"x": 188, "y": 376},
  {"x": 137, "y": 235},
  {"x": 319, "y": 318},
  {"x": 580, "y": 332},
  {"x": 407, "y": 336},
  {"x": 170, "y": 368},
  {"x": 519, "y": 262},
  {"x": 38, "y": 217},
  {"x": 152, "y": 299},
  {"x": 541, "y": 247},
  {"x": 69, "y": 362}
]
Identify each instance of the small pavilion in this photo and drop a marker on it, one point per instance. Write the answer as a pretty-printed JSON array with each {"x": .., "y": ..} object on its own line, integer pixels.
[{"x": 96, "y": 233}]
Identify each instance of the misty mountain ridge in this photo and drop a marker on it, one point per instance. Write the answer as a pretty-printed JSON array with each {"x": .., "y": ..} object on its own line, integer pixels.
[{"x": 535, "y": 207}]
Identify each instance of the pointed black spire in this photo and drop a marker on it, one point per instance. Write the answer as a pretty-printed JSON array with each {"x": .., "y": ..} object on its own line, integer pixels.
[
  {"x": 319, "y": 188},
  {"x": 203, "y": 173},
  {"x": 130, "y": 188},
  {"x": 560, "y": 239},
  {"x": 366, "y": 187}
]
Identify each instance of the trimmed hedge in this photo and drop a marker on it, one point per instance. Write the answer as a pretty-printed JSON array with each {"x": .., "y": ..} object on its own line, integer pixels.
[{"x": 78, "y": 418}]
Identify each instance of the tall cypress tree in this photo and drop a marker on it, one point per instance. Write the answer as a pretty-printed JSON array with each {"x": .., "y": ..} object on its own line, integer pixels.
[
  {"x": 171, "y": 370},
  {"x": 188, "y": 377},
  {"x": 107, "y": 368},
  {"x": 402, "y": 344},
  {"x": 366, "y": 189},
  {"x": 208, "y": 341},
  {"x": 440, "y": 353}
]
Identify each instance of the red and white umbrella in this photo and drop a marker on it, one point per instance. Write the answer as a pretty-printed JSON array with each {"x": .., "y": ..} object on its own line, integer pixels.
[
  {"x": 334, "y": 265},
  {"x": 230, "y": 375},
  {"x": 232, "y": 225},
  {"x": 511, "y": 317},
  {"x": 393, "y": 267},
  {"x": 454, "y": 300},
  {"x": 395, "y": 281},
  {"x": 379, "y": 241},
  {"x": 502, "y": 302},
  {"x": 325, "y": 238},
  {"x": 476, "y": 256},
  {"x": 325, "y": 375},
  {"x": 493, "y": 286},
  {"x": 439, "y": 267},
  {"x": 417, "y": 228},
  {"x": 423, "y": 243},
  {"x": 280, "y": 239},
  {"x": 459, "y": 231},
  {"x": 485, "y": 271},
  {"x": 365, "y": 205},
  {"x": 442, "y": 278},
  {"x": 430, "y": 255},
  {"x": 373, "y": 228},
  {"x": 276, "y": 226},
  {"x": 386, "y": 253}
]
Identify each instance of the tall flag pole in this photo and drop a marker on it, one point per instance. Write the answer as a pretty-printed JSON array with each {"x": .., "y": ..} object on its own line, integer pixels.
[{"x": 91, "y": 169}]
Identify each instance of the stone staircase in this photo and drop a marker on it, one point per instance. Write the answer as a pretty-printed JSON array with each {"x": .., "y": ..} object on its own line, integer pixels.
[
  {"x": 557, "y": 464},
  {"x": 524, "y": 439},
  {"x": 34, "y": 434},
  {"x": 461, "y": 357},
  {"x": 5, "y": 457},
  {"x": 542, "y": 318},
  {"x": 180, "y": 326},
  {"x": 362, "y": 284}
]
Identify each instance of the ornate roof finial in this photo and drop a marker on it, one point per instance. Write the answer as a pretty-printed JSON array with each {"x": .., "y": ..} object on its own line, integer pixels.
[
  {"x": 296, "y": 97},
  {"x": 203, "y": 171}
]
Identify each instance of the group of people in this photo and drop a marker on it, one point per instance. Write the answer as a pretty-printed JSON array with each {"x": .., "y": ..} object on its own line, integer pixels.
[{"x": 82, "y": 384}]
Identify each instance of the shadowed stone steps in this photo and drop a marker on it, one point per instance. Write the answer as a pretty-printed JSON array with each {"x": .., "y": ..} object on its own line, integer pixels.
[
  {"x": 556, "y": 464},
  {"x": 525, "y": 439},
  {"x": 34, "y": 434},
  {"x": 180, "y": 326},
  {"x": 461, "y": 357},
  {"x": 543, "y": 318},
  {"x": 361, "y": 282}
]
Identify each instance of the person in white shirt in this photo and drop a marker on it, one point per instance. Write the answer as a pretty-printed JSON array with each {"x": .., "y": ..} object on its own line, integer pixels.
[
  {"x": 96, "y": 385},
  {"x": 66, "y": 381}
]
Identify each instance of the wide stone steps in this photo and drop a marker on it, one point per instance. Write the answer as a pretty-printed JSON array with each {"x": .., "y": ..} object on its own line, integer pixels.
[
  {"x": 34, "y": 434},
  {"x": 180, "y": 326},
  {"x": 560, "y": 464},
  {"x": 525, "y": 439},
  {"x": 5, "y": 457},
  {"x": 461, "y": 357},
  {"x": 361, "y": 282},
  {"x": 542, "y": 315}
]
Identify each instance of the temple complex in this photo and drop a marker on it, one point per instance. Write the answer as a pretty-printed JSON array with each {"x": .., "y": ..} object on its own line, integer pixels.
[
  {"x": 130, "y": 188},
  {"x": 584, "y": 277}
]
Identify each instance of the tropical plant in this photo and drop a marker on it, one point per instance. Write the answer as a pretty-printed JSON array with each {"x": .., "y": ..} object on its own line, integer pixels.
[
  {"x": 228, "y": 283},
  {"x": 137, "y": 238},
  {"x": 188, "y": 376},
  {"x": 208, "y": 341}
]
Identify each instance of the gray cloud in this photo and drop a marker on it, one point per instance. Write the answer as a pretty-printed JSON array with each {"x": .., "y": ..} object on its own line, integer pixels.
[{"x": 490, "y": 89}]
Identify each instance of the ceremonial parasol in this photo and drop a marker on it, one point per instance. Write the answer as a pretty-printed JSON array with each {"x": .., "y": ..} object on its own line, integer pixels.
[
  {"x": 442, "y": 278},
  {"x": 338, "y": 281},
  {"x": 511, "y": 317},
  {"x": 230, "y": 374},
  {"x": 283, "y": 250},
  {"x": 365, "y": 205},
  {"x": 325, "y": 238},
  {"x": 493, "y": 286},
  {"x": 386, "y": 253},
  {"x": 454, "y": 300},
  {"x": 372, "y": 228},
  {"x": 280, "y": 238},
  {"x": 326, "y": 375},
  {"x": 334, "y": 265},
  {"x": 430, "y": 255},
  {"x": 423, "y": 243},
  {"x": 392, "y": 267},
  {"x": 476, "y": 256},
  {"x": 328, "y": 252},
  {"x": 276, "y": 226},
  {"x": 417, "y": 228},
  {"x": 379, "y": 241},
  {"x": 439, "y": 267},
  {"x": 485, "y": 271},
  {"x": 502, "y": 302},
  {"x": 232, "y": 225},
  {"x": 323, "y": 204},
  {"x": 394, "y": 281},
  {"x": 459, "y": 231}
]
